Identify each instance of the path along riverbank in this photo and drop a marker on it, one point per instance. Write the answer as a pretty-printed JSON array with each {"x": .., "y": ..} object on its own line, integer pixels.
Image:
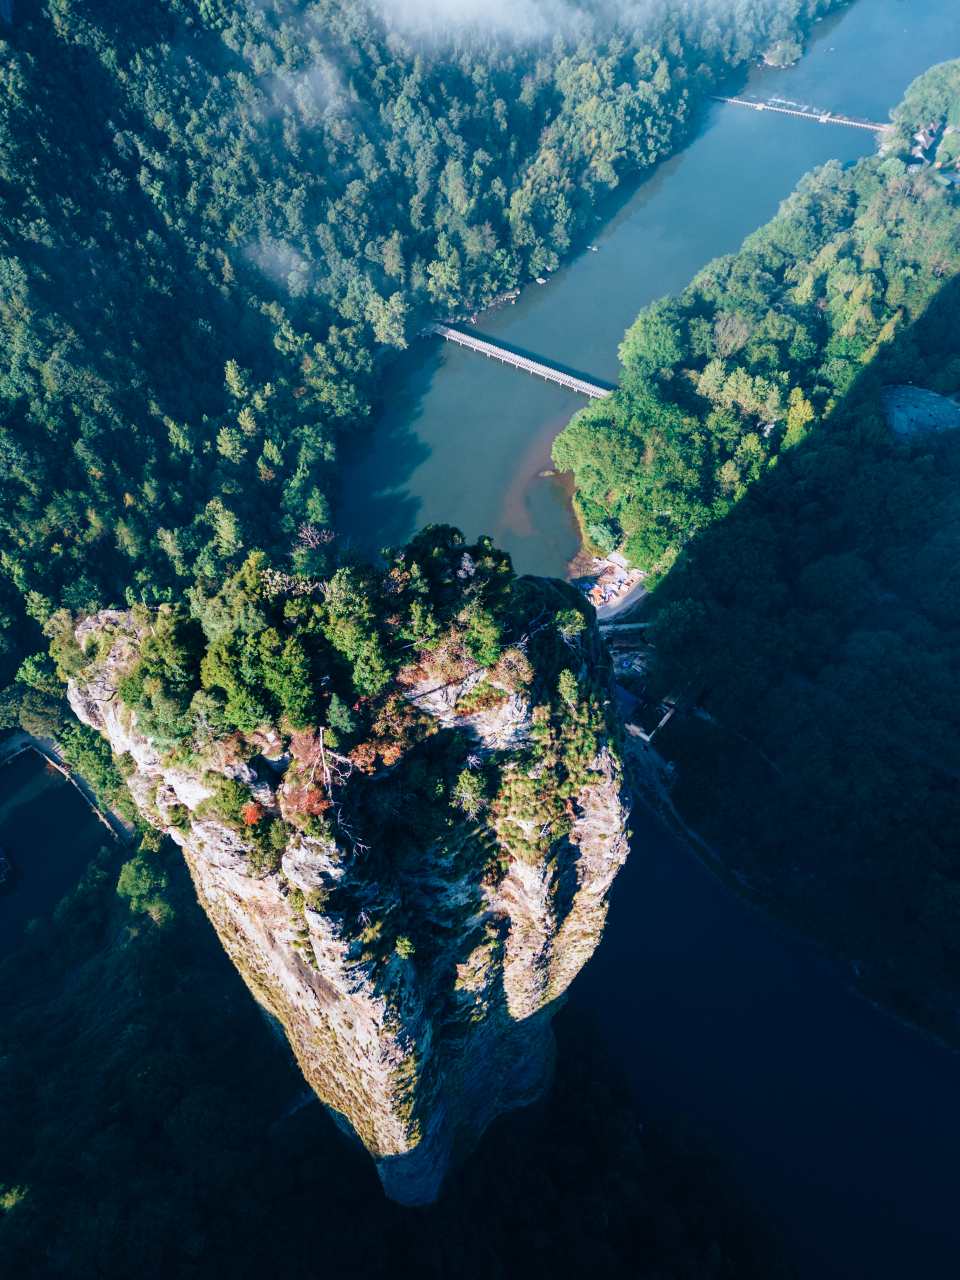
[{"x": 19, "y": 741}]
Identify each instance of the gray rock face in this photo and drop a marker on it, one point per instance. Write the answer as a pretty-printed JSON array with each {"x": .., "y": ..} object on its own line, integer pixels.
[
  {"x": 912, "y": 409},
  {"x": 416, "y": 1054}
]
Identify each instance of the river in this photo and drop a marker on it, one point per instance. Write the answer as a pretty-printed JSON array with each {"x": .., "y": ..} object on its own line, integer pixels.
[
  {"x": 847, "y": 1124},
  {"x": 48, "y": 833}
]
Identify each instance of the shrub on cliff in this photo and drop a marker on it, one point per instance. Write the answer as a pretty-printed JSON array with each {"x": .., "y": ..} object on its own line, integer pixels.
[
  {"x": 144, "y": 881},
  {"x": 331, "y": 664},
  {"x": 85, "y": 751}
]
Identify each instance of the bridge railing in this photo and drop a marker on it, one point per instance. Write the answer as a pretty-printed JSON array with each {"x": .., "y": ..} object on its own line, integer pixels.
[
  {"x": 806, "y": 115},
  {"x": 535, "y": 367}
]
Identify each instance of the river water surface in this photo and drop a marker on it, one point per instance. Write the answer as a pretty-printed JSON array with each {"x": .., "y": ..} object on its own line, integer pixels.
[
  {"x": 848, "y": 1125},
  {"x": 49, "y": 833}
]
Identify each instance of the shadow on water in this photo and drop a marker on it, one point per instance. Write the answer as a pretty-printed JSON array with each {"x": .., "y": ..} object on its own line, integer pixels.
[
  {"x": 406, "y": 382},
  {"x": 49, "y": 834},
  {"x": 388, "y": 453},
  {"x": 847, "y": 1122},
  {"x": 459, "y": 441},
  {"x": 390, "y": 513}
]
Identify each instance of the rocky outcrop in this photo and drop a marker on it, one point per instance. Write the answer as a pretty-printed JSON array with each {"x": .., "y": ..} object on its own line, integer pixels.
[{"x": 415, "y": 1053}]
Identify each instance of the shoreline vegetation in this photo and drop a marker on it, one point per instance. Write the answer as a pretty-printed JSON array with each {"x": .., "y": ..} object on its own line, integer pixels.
[{"x": 803, "y": 615}]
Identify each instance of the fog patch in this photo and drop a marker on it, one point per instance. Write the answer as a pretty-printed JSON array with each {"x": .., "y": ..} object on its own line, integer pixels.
[
  {"x": 281, "y": 264},
  {"x": 522, "y": 21}
]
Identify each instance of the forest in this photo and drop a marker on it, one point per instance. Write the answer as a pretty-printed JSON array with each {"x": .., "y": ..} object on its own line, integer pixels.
[
  {"x": 218, "y": 219},
  {"x": 803, "y": 559},
  {"x": 324, "y": 662}
]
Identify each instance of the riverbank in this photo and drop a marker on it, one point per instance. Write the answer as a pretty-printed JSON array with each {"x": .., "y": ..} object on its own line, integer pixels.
[
  {"x": 50, "y": 834},
  {"x": 467, "y": 442},
  {"x": 623, "y": 604}
]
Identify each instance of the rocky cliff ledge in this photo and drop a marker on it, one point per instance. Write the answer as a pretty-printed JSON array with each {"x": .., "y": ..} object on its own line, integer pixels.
[{"x": 408, "y": 877}]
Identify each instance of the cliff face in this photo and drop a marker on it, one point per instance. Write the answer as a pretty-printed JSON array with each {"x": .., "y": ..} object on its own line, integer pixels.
[{"x": 415, "y": 1044}]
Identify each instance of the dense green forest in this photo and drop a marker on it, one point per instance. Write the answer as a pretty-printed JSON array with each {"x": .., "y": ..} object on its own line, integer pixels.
[
  {"x": 219, "y": 218},
  {"x": 805, "y": 559},
  {"x": 151, "y": 1124}
]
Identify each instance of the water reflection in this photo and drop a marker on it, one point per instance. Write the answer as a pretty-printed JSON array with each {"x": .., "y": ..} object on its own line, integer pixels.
[{"x": 462, "y": 440}]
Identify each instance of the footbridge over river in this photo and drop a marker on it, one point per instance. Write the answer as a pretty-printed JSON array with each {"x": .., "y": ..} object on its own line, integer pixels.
[
  {"x": 492, "y": 351},
  {"x": 826, "y": 118}
]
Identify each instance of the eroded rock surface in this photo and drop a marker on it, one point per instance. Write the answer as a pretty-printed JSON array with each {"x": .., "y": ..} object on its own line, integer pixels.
[{"x": 415, "y": 1052}]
